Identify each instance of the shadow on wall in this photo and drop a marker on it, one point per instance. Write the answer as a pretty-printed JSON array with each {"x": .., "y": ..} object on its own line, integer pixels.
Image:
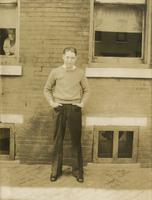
[{"x": 35, "y": 142}]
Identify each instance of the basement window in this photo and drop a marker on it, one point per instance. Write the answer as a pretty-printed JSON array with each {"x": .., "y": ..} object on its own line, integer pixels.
[
  {"x": 119, "y": 31},
  {"x": 6, "y": 143},
  {"x": 114, "y": 144}
]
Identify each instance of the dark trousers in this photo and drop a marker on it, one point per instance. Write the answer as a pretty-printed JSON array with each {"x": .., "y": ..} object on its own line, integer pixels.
[{"x": 70, "y": 115}]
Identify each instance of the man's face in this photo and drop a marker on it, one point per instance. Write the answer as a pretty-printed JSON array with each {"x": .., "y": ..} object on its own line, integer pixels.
[
  {"x": 11, "y": 35},
  {"x": 69, "y": 58}
]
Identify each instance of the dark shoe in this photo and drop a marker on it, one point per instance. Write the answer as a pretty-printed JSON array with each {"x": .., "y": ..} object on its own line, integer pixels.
[
  {"x": 53, "y": 178},
  {"x": 79, "y": 178}
]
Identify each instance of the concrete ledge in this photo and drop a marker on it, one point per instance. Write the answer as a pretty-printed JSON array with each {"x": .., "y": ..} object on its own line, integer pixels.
[
  {"x": 11, "y": 118},
  {"x": 8, "y": 1},
  {"x": 116, "y": 121},
  {"x": 115, "y": 165},
  {"x": 119, "y": 73},
  {"x": 122, "y": 1},
  {"x": 10, "y": 70},
  {"x": 9, "y": 162}
]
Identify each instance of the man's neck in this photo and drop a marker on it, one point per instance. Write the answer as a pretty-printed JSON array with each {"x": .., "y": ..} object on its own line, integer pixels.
[{"x": 69, "y": 68}]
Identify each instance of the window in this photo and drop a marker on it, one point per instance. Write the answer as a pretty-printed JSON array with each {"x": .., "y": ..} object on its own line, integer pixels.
[
  {"x": 9, "y": 31},
  {"x": 119, "y": 30},
  {"x": 6, "y": 142},
  {"x": 8, "y": 41},
  {"x": 113, "y": 144}
]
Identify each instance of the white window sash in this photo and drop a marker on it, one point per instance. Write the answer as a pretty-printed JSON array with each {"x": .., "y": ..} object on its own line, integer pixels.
[
  {"x": 8, "y": 1},
  {"x": 122, "y": 1}
]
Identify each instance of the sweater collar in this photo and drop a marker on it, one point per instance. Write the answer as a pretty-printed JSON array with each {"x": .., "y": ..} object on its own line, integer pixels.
[{"x": 64, "y": 66}]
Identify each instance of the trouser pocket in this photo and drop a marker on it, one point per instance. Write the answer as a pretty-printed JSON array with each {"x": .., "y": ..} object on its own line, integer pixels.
[
  {"x": 57, "y": 109},
  {"x": 77, "y": 108}
]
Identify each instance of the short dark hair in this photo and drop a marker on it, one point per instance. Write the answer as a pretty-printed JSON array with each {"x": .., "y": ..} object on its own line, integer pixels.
[{"x": 72, "y": 49}]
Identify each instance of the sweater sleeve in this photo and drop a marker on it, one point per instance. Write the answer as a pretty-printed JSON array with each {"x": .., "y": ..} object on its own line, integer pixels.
[
  {"x": 48, "y": 88},
  {"x": 85, "y": 89}
]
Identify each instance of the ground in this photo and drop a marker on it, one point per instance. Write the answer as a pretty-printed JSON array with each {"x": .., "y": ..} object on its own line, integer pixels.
[{"x": 102, "y": 181}]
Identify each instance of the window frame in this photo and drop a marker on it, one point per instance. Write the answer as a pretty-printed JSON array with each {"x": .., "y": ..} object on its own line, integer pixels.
[
  {"x": 11, "y": 155},
  {"x": 14, "y": 59},
  {"x": 121, "y": 1},
  {"x": 115, "y": 158},
  {"x": 146, "y": 40}
]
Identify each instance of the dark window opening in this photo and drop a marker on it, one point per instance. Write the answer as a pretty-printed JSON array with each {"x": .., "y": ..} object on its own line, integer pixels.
[
  {"x": 7, "y": 41},
  {"x": 4, "y": 141},
  {"x": 118, "y": 44},
  {"x": 125, "y": 144},
  {"x": 105, "y": 144}
]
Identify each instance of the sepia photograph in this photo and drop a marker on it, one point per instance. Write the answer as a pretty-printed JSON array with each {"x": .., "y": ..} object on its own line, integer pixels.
[{"x": 75, "y": 99}]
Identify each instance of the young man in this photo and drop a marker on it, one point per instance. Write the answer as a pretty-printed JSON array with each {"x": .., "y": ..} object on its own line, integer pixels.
[{"x": 67, "y": 91}]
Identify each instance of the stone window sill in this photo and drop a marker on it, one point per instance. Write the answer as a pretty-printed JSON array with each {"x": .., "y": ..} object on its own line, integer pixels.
[
  {"x": 118, "y": 73},
  {"x": 10, "y": 70}
]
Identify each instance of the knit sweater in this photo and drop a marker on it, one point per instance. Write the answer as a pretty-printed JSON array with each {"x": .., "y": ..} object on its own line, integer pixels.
[{"x": 66, "y": 86}]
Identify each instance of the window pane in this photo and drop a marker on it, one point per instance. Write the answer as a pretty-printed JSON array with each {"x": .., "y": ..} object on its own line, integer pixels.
[
  {"x": 118, "y": 44},
  {"x": 125, "y": 145},
  {"x": 8, "y": 16},
  {"x": 7, "y": 41},
  {"x": 105, "y": 144},
  {"x": 4, "y": 141},
  {"x": 118, "y": 18}
]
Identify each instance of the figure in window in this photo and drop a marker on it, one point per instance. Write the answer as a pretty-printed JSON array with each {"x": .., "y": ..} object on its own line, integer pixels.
[
  {"x": 3, "y": 35},
  {"x": 9, "y": 43}
]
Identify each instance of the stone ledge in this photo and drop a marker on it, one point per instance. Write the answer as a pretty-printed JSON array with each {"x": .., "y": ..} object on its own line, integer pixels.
[
  {"x": 11, "y": 118},
  {"x": 115, "y": 121},
  {"x": 119, "y": 73},
  {"x": 11, "y": 70},
  {"x": 8, "y": 1},
  {"x": 122, "y": 1}
]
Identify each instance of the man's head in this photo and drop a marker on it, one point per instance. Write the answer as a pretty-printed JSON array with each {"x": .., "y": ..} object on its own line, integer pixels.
[
  {"x": 11, "y": 34},
  {"x": 69, "y": 56}
]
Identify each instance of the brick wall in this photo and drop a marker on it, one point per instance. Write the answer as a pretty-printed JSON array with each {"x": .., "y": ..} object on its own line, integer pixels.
[{"x": 46, "y": 27}]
